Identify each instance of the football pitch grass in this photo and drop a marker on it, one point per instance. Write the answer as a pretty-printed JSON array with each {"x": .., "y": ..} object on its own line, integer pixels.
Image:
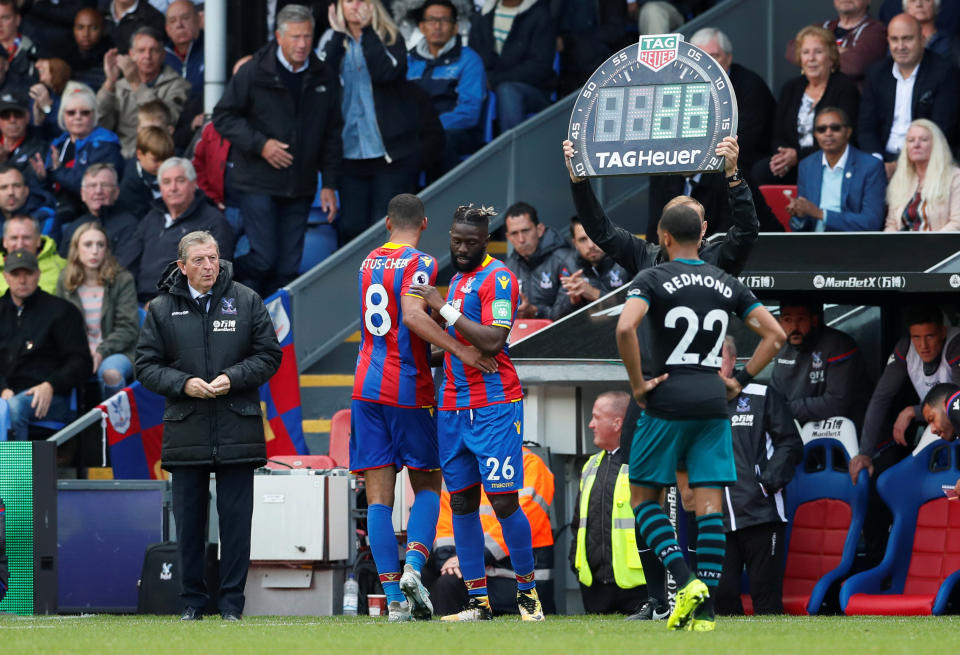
[{"x": 575, "y": 635}]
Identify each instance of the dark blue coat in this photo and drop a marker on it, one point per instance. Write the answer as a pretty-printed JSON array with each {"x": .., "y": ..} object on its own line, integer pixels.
[{"x": 862, "y": 193}]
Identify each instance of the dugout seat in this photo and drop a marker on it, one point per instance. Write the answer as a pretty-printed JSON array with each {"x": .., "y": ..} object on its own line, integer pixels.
[
  {"x": 777, "y": 197},
  {"x": 825, "y": 515},
  {"x": 922, "y": 561},
  {"x": 524, "y": 327},
  {"x": 340, "y": 438}
]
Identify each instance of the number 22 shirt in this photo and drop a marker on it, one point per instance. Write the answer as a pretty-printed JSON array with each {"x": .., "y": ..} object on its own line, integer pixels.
[
  {"x": 393, "y": 366},
  {"x": 488, "y": 295},
  {"x": 689, "y": 307}
]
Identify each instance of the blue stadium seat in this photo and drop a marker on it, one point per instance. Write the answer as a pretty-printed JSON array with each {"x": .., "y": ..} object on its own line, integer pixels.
[
  {"x": 489, "y": 115},
  {"x": 55, "y": 426},
  {"x": 319, "y": 242},
  {"x": 317, "y": 216},
  {"x": 921, "y": 565},
  {"x": 825, "y": 515}
]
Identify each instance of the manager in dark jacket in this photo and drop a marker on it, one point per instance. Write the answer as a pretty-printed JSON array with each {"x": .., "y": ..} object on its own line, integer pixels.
[
  {"x": 766, "y": 449},
  {"x": 281, "y": 113},
  {"x": 207, "y": 345}
]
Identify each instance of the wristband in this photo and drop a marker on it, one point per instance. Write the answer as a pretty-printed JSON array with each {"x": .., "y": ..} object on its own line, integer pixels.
[
  {"x": 743, "y": 377},
  {"x": 449, "y": 314}
]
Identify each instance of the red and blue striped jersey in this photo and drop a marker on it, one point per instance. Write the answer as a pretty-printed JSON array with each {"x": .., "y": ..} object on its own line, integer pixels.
[
  {"x": 488, "y": 295},
  {"x": 393, "y": 366}
]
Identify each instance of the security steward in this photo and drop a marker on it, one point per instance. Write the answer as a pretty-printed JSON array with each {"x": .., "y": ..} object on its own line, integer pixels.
[
  {"x": 604, "y": 552},
  {"x": 207, "y": 345},
  {"x": 442, "y": 574}
]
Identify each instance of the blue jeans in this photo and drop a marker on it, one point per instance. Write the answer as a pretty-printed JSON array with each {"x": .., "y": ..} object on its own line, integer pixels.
[
  {"x": 21, "y": 414},
  {"x": 516, "y": 100},
  {"x": 121, "y": 364},
  {"x": 275, "y": 227}
]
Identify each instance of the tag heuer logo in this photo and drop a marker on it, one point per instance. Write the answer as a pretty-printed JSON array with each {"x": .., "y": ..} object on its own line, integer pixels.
[{"x": 658, "y": 50}]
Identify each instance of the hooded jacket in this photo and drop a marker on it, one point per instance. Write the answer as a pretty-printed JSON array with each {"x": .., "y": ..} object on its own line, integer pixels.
[
  {"x": 100, "y": 146},
  {"x": 177, "y": 342},
  {"x": 539, "y": 274},
  {"x": 256, "y": 105},
  {"x": 455, "y": 80},
  {"x": 50, "y": 266},
  {"x": 527, "y": 54}
]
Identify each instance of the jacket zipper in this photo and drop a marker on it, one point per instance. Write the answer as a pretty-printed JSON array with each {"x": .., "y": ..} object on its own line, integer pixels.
[{"x": 206, "y": 356}]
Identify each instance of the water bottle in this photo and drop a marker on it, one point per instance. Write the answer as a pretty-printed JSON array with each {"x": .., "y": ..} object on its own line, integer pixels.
[{"x": 351, "y": 592}]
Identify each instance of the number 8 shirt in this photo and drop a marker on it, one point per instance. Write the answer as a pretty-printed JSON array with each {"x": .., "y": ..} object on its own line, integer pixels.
[
  {"x": 689, "y": 307},
  {"x": 488, "y": 295},
  {"x": 393, "y": 366}
]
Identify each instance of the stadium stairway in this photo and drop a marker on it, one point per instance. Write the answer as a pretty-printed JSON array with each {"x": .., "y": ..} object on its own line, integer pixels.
[{"x": 326, "y": 386}]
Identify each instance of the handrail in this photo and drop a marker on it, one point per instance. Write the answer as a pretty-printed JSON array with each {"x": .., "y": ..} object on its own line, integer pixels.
[{"x": 70, "y": 430}]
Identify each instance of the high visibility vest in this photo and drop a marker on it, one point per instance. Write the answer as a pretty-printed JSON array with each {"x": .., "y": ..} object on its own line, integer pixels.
[
  {"x": 627, "y": 570},
  {"x": 535, "y": 500}
]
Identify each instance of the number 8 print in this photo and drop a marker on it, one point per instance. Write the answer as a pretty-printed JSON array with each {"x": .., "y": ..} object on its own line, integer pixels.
[{"x": 378, "y": 308}]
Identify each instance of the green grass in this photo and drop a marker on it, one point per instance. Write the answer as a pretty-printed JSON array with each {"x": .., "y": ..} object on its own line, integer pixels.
[{"x": 575, "y": 635}]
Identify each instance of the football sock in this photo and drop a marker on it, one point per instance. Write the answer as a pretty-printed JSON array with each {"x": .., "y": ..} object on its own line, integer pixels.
[
  {"x": 468, "y": 537},
  {"x": 422, "y": 527},
  {"x": 692, "y": 532},
  {"x": 383, "y": 545},
  {"x": 661, "y": 537},
  {"x": 711, "y": 543},
  {"x": 516, "y": 533},
  {"x": 653, "y": 571}
]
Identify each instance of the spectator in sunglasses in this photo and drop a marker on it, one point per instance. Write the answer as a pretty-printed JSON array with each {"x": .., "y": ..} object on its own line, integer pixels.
[{"x": 839, "y": 188}]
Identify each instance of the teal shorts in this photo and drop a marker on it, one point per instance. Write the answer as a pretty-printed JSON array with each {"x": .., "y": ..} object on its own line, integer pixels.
[{"x": 704, "y": 444}]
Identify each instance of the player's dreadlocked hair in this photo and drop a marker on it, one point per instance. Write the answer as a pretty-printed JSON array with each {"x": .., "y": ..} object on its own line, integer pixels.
[{"x": 477, "y": 216}]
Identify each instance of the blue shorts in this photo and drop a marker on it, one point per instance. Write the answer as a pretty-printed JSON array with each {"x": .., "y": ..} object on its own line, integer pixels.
[
  {"x": 482, "y": 445},
  {"x": 384, "y": 435},
  {"x": 660, "y": 445}
]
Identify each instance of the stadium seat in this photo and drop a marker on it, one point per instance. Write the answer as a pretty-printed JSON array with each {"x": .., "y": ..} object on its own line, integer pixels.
[
  {"x": 777, "y": 197},
  {"x": 489, "y": 115},
  {"x": 922, "y": 561},
  {"x": 319, "y": 242},
  {"x": 524, "y": 327},
  {"x": 301, "y": 462},
  {"x": 340, "y": 438},
  {"x": 48, "y": 426},
  {"x": 825, "y": 515}
]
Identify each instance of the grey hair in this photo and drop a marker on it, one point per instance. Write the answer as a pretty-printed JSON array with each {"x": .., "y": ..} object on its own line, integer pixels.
[
  {"x": 195, "y": 238},
  {"x": 936, "y": 6},
  {"x": 293, "y": 14},
  {"x": 26, "y": 218},
  {"x": 146, "y": 30},
  {"x": 180, "y": 162},
  {"x": 99, "y": 167},
  {"x": 77, "y": 91},
  {"x": 705, "y": 35}
]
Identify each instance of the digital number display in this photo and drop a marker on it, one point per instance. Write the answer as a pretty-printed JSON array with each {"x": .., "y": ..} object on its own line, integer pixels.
[{"x": 639, "y": 113}]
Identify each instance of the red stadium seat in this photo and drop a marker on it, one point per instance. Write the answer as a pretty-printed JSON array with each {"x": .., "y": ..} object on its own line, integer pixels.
[
  {"x": 825, "y": 515},
  {"x": 340, "y": 438},
  {"x": 524, "y": 327},
  {"x": 777, "y": 197},
  {"x": 922, "y": 563}
]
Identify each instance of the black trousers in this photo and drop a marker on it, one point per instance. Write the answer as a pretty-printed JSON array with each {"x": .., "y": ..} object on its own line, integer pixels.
[
  {"x": 235, "y": 508},
  {"x": 608, "y": 598},
  {"x": 761, "y": 549}
]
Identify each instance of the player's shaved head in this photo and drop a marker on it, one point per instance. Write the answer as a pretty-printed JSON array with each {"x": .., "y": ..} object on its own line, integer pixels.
[
  {"x": 938, "y": 395},
  {"x": 683, "y": 223},
  {"x": 406, "y": 211}
]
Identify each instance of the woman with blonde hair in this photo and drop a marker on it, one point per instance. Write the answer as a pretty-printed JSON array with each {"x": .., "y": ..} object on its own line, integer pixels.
[
  {"x": 381, "y": 147},
  {"x": 924, "y": 192},
  {"x": 820, "y": 84},
  {"x": 106, "y": 295}
]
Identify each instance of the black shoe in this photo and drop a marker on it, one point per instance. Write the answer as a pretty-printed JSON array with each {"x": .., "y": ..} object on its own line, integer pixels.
[
  {"x": 651, "y": 610},
  {"x": 192, "y": 614},
  {"x": 230, "y": 616}
]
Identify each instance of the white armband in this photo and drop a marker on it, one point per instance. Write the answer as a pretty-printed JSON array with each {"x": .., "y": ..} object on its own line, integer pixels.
[{"x": 450, "y": 314}]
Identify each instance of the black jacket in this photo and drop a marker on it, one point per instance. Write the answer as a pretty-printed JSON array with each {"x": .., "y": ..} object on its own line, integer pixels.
[
  {"x": 395, "y": 105},
  {"x": 936, "y": 96},
  {"x": 841, "y": 92},
  {"x": 539, "y": 274},
  {"x": 760, "y": 423},
  {"x": 256, "y": 105},
  {"x": 756, "y": 111},
  {"x": 121, "y": 228},
  {"x": 120, "y": 32},
  {"x": 634, "y": 254},
  {"x": 821, "y": 378},
  {"x": 599, "y": 542},
  {"x": 177, "y": 343},
  {"x": 137, "y": 186},
  {"x": 154, "y": 246},
  {"x": 46, "y": 343},
  {"x": 529, "y": 50}
]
